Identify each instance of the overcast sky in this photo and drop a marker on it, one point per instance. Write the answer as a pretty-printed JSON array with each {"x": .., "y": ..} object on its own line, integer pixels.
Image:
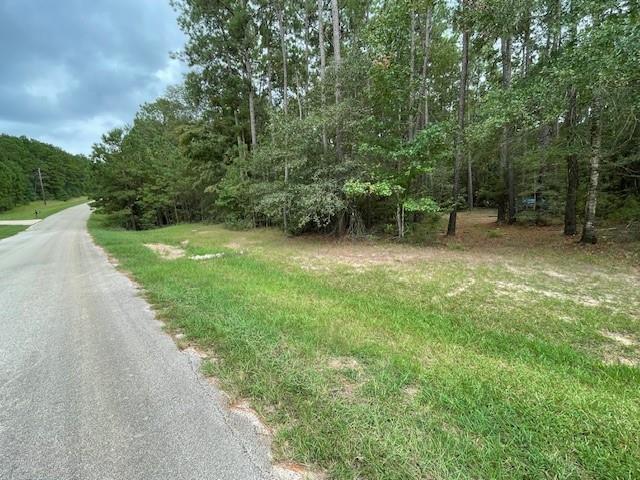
[{"x": 72, "y": 69}]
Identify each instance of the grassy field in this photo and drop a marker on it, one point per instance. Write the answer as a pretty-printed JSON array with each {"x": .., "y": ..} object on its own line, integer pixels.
[
  {"x": 9, "y": 230},
  {"x": 27, "y": 211},
  {"x": 503, "y": 354}
]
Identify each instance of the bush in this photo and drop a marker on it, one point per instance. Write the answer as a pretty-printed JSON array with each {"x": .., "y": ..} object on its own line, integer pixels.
[
  {"x": 425, "y": 232},
  {"x": 628, "y": 211},
  {"x": 233, "y": 222},
  {"x": 530, "y": 217}
]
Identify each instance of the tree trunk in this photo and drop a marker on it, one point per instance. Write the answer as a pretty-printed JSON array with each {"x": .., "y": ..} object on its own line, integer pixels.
[
  {"x": 570, "y": 209},
  {"x": 526, "y": 45},
  {"x": 412, "y": 74},
  {"x": 589, "y": 228},
  {"x": 252, "y": 110},
  {"x": 462, "y": 101},
  {"x": 425, "y": 66},
  {"x": 323, "y": 68},
  {"x": 306, "y": 47},
  {"x": 505, "y": 157},
  {"x": 337, "y": 61},
  {"x": 469, "y": 181},
  {"x": 539, "y": 180},
  {"x": 283, "y": 46},
  {"x": 570, "y": 220},
  {"x": 299, "y": 96},
  {"x": 241, "y": 147},
  {"x": 269, "y": 77},
  {"x": 400, "y": 218}
]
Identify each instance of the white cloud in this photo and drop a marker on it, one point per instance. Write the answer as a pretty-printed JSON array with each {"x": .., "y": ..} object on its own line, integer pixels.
[{"x": 52, "y": 85}]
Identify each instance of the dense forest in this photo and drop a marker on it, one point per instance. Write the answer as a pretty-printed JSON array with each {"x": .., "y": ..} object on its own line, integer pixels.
[
  {"x": 364, "y": 116},
  {"x": 63, "y": 175}
]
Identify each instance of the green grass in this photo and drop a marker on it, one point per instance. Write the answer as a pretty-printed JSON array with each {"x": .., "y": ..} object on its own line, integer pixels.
[
  {"x": 9, "y": 230},
  {"x": 390, "y": 362},
  {"x": 27, "y": 211}
]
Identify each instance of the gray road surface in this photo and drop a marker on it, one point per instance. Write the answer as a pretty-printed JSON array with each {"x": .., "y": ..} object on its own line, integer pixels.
[{"x": 90, "y": 386}]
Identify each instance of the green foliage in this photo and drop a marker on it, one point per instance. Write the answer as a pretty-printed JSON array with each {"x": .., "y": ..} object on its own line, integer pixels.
[
  {"x": 141, "y": 177},
  {"x": 359, "y": 144},
  {"x": 421, "y": 205},
  {"x": 359, "y": 189},
  {"x": 63, "y": 175}
]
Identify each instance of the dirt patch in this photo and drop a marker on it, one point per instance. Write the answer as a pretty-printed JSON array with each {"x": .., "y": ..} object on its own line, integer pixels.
[
  {"x": 206, "y": 256},
  {"x": 508, "y": 288},
  {"x": 621, "y": 338},
  {"x": 168, "y": 252},
  {"x": 560, "y": 276},
  {"x": 612, "y": 352},
  {"x": 462, "y": 288},
  {"x": 411, "y": 391},
  {"x": 346, "y": 387},
  {"x": 193, "y": 351},
  {"x": 613, "y": 359},
  {"x": 343, "y": 363},
  {"x": 362, "y": 256},
  {"x": 294, "y": 471},
  {"x": 243, "y": 408}
]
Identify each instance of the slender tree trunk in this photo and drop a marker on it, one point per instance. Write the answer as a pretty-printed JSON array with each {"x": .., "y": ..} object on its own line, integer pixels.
[
  {"x": 400, "y": 218},
  {"x": 425, "y": 66},
  {"x": 252, "y": 110},
  {"x": 299, "y": 97},
  {"x": 570, "y": 209},
  {"x": 545, "y": 142},
  {"x": 285, "y": 106},
  {"x": 285, "y": 209},
  {"x": 462, "y": 101},
  {"x": 505, "y": 157},
  {"x": 283, "y": 46},
  {"x": 323, "y": 68},
  {"x": 238, "y": 136},
  {"x": 589, "y": 228},
  {"x": 269, "y": 81},
  {"x": 337, "y": 61},
  {"x": 412, "y": 74},
  {"x": 526, "y": 45},
  {"x": 306, "y": 46},
  {"x": 469, "y": 181}
]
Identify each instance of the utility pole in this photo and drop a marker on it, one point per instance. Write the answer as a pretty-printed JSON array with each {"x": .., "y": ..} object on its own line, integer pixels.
[{"x": 44, "y": 197}]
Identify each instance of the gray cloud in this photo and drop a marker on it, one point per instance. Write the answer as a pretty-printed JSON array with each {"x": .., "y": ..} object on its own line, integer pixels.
[{"x": 72, "y": 69}]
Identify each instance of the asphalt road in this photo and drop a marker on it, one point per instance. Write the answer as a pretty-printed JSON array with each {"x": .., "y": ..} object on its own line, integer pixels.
[{"x": 90, "y": 386}]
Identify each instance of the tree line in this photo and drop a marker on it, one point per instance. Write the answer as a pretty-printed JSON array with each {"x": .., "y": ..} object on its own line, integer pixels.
[
  {"x": 63, "y": 175},
  {"x": 354, "y": 116}
]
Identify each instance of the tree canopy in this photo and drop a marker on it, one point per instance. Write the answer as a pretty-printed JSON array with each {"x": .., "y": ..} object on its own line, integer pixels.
[
  {"x": 63, "y": 175},
  {"x": 351, "y": 116}
]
